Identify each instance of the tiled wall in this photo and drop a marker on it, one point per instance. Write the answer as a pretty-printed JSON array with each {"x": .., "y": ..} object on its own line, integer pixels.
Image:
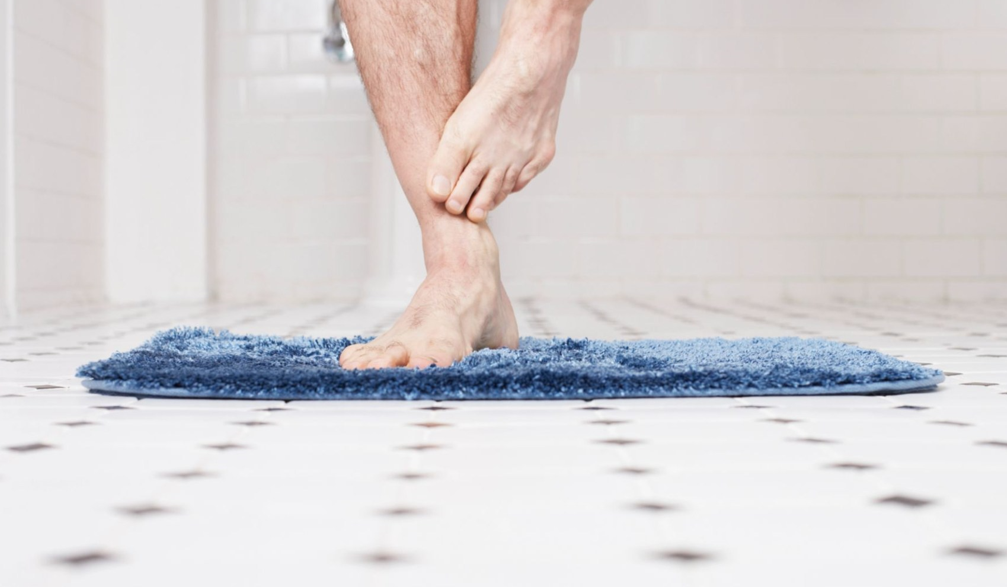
[
  {"x": 6, "y": 196},
  {"x": 808, "y": 148},
  {"x": 156, "y": 150},
  {"x": 58, "y": 162},
  {"x": 290, "y": 147},
  {"x": 763, "y": 148}
]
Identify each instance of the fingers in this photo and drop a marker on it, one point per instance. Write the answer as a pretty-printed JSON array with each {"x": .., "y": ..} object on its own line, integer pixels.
[
  {"x": 536, "y": 166},
  {"x": 509, "y": 183},
  {"x": 446, "y": 167},
  {"x": 510, "y": 180},
  {"x": 500, "y": 199},
  {"x": 527, "y": 174},
  {"x": 481, "y": 191},
  {"x": 482, "y": 202},
  {"x": 466, "y": 186}
]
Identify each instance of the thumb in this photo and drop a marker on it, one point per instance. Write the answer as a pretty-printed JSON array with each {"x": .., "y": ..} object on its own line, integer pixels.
[{"x": 444, "y": 170}]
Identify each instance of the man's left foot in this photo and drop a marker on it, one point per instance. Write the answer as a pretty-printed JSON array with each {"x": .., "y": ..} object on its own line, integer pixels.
[
  {"x": 461, "y": 307},
  {"x": 503, "y": 133}
]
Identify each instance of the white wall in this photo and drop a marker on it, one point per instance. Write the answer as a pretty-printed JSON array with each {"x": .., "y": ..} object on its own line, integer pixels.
[
  {"x": 766, "y": 148},
  {"x": 808, "y": 148},
  {"x": 761, "y": 148},
  {"x": 290, "y": 143},
  {"x": 156, "y": 174},
  {"x": 58, "y": 118},
  {"x": 7, "y": 234}
]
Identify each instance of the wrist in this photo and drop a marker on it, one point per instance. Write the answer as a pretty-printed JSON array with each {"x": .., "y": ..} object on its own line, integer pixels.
[
  {"x": 564, "y": 8},
  {"x": 546, "y": 15}
]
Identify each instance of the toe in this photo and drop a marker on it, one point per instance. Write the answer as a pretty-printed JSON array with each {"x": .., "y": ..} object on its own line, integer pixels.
[
  {"x": 394, "y": 355},
  {"x": 360, "y": 355},
  {"x": 419, "y": 362},
  {"x": 359, "y": 361},
  {"x": 468, "y": 183},
  {"x": 435, "y": 359},
  {"x": 379, "y": 363},
  {"x": 352, "y": 364},
  {"x": 446, "y": 167},
  {"x": 351, "y": 355},
  {"x": 483, "y": 200}
]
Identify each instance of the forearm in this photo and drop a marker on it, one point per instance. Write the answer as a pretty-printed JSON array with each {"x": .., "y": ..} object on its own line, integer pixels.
[
  {"x": 570, "y": 7},
  {"x": 545, "y": 29}
]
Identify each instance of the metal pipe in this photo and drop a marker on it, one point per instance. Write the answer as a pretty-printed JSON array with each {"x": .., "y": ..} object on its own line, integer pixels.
[{"x": 337, "y": 42}]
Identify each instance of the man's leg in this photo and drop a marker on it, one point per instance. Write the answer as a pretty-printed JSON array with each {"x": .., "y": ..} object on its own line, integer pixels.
[
  {"x": 415, "y": 59},
  {"x": 504, "y": 132}
]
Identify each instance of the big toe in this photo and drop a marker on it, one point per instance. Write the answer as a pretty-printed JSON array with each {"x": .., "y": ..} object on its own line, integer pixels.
[
  {"x": 394, "y": 355},
  {"x": 357, "y": 355}
]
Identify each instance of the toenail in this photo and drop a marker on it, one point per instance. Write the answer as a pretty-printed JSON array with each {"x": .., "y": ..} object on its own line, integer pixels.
[
  {"x": 454, "y": 206},
  {"x": 441, "y": 185}
]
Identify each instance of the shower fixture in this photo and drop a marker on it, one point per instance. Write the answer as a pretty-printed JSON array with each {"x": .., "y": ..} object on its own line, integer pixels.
[{"x": 337, "y": 42}]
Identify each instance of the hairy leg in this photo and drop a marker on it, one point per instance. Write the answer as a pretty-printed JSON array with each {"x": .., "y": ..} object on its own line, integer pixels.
[
  {"x": 415, "y": 60},
  {"x": 503, "y": 133}
]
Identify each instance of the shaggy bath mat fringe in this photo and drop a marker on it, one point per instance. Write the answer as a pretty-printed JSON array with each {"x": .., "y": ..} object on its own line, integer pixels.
[{"x": 200, "y": 363}]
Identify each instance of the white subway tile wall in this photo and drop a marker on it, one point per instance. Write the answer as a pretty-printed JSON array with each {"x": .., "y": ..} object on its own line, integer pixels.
[
  {"x": 58, "y": 151},
  {"x": 758, "y": 148},
  {"x": 766, "y": 148},
  {"x": 290, "y": 144}
]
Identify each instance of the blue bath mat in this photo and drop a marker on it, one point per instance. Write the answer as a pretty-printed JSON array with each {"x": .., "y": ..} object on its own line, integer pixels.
[{"x": 199, "y": 363}]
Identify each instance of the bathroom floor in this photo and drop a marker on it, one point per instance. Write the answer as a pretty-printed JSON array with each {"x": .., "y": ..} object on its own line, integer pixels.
[{"x": 825, "y": 491}]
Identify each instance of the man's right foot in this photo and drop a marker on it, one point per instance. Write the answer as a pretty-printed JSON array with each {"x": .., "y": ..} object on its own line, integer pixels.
[{"x": 503, "y": 133}]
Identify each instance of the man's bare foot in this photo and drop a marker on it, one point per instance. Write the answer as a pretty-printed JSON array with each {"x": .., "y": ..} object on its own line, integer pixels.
[
  {"x": 503, "y": 133},
  {"x": 461, "y": 307}
]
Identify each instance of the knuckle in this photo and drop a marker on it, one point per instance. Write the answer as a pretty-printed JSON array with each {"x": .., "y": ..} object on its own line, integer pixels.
[
  {"x": 511, "y": 177},
  {"x": 547, "y": 152},
  {"x": 452, "y": 146},
  {"x": 478, "y": 167},
  {"x": 452, "y": 135}
]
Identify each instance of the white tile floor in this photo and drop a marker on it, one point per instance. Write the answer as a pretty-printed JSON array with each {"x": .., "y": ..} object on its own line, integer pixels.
[{"x": 828, "y": 491}]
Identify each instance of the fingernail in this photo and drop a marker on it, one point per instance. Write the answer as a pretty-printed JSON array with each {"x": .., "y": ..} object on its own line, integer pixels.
[
  {"x": 454, "y": 206},
  {"x": 478, "y": 213},
  {"x": 441, "y": 185}
]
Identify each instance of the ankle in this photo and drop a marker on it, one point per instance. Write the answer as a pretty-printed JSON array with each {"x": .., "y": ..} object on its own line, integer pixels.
[{"x": 463, "y": 248}]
